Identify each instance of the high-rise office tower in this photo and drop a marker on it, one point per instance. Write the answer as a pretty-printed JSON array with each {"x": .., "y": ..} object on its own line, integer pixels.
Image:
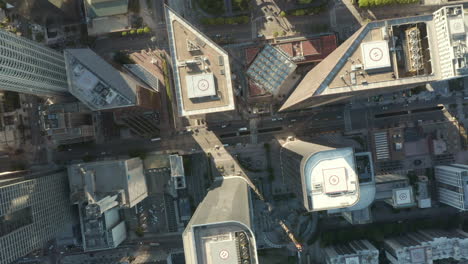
[
  {"x": 387, "y": 56},
  {"x": 322, "y": 177},
  {"x": 29, "y": 67},
  {"x": 452, "y": 185},
  {"x": 34, "y": 207},
  {"x": 220, "y": 229}
]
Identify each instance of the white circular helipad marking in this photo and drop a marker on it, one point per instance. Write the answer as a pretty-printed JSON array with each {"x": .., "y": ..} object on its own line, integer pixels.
[
  {"x": 403, "y": 196},
  {"x": 375, "y": 54},
  {"x": 334, "y": 180},
  {"x": 224, "y": 254},
  {"x": 203, "y": 85}
]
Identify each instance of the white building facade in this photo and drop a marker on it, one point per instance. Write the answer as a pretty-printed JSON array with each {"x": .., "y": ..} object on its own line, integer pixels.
[
  {"x": 452, "y": 185},
  {"x": 29, "y": 67},
  {"x": 450, "y": 29}
]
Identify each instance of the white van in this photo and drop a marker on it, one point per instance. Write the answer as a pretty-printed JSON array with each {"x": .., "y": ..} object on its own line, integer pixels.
[
  {"x": 156, "y": 139},
  {"x": 243, "y": 129}
]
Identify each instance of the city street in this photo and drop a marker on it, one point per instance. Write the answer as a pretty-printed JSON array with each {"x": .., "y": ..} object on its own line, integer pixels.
[{"x": 316, "y": 121}]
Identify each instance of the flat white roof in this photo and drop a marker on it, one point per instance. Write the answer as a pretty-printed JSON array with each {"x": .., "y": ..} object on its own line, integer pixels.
[
  {"x": 402, "y": 196},
  {"x": 457, "y": 26},
  {"x": 222, "y": 252},
  {"x": 418, "y": 255},
  {"x": 331, "y": 179},
  {"x": 352, "y": 260},
  {"x": 375, "y": 55},
  {"x": 200, "y": 85}
]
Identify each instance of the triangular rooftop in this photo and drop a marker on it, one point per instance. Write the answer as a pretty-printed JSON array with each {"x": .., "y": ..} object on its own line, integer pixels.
[{"x": 343, "y": 73}]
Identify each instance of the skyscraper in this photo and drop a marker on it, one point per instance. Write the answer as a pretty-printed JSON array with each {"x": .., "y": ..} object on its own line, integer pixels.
[
  {"x": 452, "y": 185},
  {"x": 322, "y": 177},
  {"x": 220, "y": 229},
  {"x": 29, "y": 67},
  {"x": 387, "y": 56},
  {"x": 33, "y": 209}
]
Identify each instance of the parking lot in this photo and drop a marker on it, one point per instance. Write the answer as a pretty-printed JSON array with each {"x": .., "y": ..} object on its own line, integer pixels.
[{"x": 151, "y": 214}]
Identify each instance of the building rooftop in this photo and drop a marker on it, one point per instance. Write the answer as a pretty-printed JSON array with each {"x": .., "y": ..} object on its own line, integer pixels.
[
  {"x": 96, "y": 83},
  {"x": 423, "y": 195},
  {"x": 106, "y": 25},
  {"x": 425, "y": 246},
  {"x": 271, "y": 68},
  {"x": 219, "y": 231},
  {"x": 382, "y": 54},
  {"x": 144, "y": 75},
  {"x": 101, "y": 232},
  {"x": 103, "y": 178},
  {"x": 354, "y": 252},
  {"x": 402, "y": 197},
  {"x": 67, "y": 123},
  {"x": 305, "y": 50},
  {"x": 201, "y": 69},
  {"x": 103, "y": 8},
  {"x": 100, "y": 189},
  {"x": 451, "y": 23},
  {"x": 177, "y": 171},
  {"x": 330, "y": 179}
]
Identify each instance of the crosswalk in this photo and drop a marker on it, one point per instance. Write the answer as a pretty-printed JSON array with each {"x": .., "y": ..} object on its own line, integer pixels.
[{"x": 381, "y": 145}]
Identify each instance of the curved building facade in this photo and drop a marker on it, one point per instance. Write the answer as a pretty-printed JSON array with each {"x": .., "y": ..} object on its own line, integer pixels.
[
  {"x": 322, "y": 177},
  {"x": 220, "y": 231},
  {"x": 29, "y": 67}
]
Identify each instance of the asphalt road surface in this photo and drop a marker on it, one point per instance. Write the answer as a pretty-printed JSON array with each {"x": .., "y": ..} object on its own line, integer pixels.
[{"x": 320, "y": 120}]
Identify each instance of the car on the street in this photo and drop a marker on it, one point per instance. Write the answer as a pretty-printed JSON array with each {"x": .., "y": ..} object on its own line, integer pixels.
[{"x": 243, "y": 129}]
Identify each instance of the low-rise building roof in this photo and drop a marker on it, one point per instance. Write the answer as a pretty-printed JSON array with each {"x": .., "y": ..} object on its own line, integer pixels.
[
  {"x": 103, "y": 8},
  {"x": 271, "y": 68}
]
